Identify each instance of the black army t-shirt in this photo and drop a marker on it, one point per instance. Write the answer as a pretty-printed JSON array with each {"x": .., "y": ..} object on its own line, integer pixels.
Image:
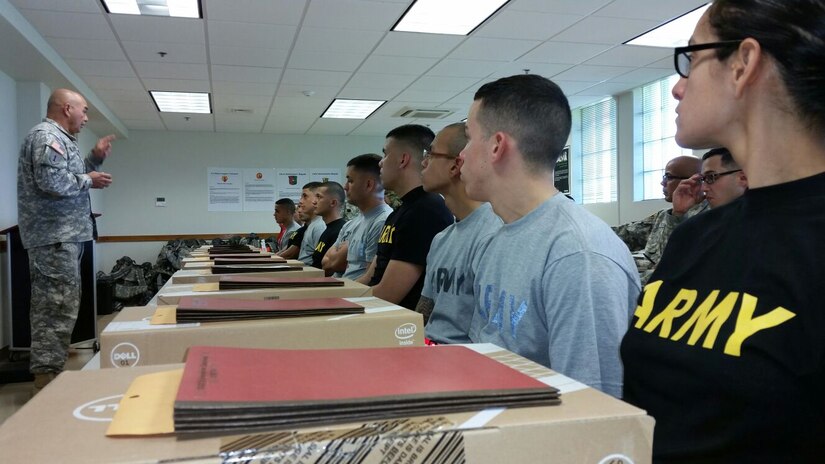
[
  {"x": 329, "y": 237},
  {"x": 407, "y": 235}
]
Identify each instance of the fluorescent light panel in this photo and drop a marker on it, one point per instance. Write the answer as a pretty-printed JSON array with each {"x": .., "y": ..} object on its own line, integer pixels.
[
  {"x": 457, "y": 17},
  {"x": 182, "y": 102},
  {"x": 674, "y": 33},
  {"x": 352, "y": 109},
  {"x": 176, "y": 8}
]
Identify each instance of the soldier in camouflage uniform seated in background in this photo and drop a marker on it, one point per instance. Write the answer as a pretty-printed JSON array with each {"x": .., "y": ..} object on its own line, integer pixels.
[
  {"x": 647, "y": 238},
  {"x": 54, "y": 212}
]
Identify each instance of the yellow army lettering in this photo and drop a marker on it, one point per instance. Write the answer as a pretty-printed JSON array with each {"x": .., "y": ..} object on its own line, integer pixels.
[
  {"x": 320, "y": 247},
  {"x": 707, "y": 317},
  {"x": 386, "y": 234}
]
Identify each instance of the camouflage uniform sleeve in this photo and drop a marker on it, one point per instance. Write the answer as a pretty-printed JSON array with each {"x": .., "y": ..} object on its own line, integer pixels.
[
  {"x": 92, "y": 162},
  {"x": 659, "y": 235},
  {"x": 634, "y": 234},
  {"x": 52, "y": 165}
]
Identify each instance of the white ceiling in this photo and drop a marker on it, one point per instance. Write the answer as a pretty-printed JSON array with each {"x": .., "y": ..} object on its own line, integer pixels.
[{"x": 261, "y": 56}]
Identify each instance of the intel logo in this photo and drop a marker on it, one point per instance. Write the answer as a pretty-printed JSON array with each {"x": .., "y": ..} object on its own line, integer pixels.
[{"x": 405, "y": 331}]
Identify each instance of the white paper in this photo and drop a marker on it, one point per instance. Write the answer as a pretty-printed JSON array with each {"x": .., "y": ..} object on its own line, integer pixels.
[{"x": 225, "y": 189}]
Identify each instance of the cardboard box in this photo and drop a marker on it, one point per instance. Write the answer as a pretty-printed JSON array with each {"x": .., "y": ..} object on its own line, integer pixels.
[
  {"x": 202, "y": 276},
  {"x": 67, "y": 423},
  {"x": 171, "y": 293},
  {"x": 129, "y": 340}
]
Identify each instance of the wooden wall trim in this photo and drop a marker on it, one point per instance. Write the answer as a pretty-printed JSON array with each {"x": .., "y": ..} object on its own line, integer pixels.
[{"x": 166, "y": 238}]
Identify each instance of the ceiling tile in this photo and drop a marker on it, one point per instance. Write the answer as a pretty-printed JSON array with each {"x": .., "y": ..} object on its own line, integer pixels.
[
  {"x": 363, "y": 15},
  {"x": 395, "y": 82},
  {"x": 630, "y": 55},
  {"x": 310, "y": 78},
  {"x": 486, "y": 49},
  {"x": 287, "y": 12},
  {"x": 643, "y": 75},
  {"x": 656, "y": 10},
  {"x": 425, "y": 96},
  {"x": 76, "y": 6},
  {"x": 158, "y": 29},
  {"x": 440, "y": 83},
  {"x": 592, "y": 73},
  {"x": 195, "y": 122},
  {"x": 102, "y": 68},
  {"x": 464, "y": 99},
  {"x": 246, "y": 74},
  {"x": 85, "y": 49},
  {"x": 243, "y": 88},
  {"x": 579, "y": 7},
  {"x": 242, "y": 126},
  {"x": 123, "y": 95},
  {"x": 175, "y": 52},
  {"x": 322, "y": 92},
  {"x": 604, "y": 30},
  {"x": 143, "y": 124},
  {"x": 235, "y": 34},
  {"x": 606, "y": 89},
  {"x": 664, "y": 63},
  {"x": 69, "y": 25},
  {"x": 300, "y": 107},
  {"x": 421, "y": 45},
  {"x": 157, "y": 70},
  {"x": 224, "y": 101},
  {"x": 177, "y": 85},
  {"x": 316, "y": 39},
  {"x": 324, "y": 61},
  {"x": 572, "y": 87},
  {"x": 564, "y": 52},
  {"x": 528, "y": 25},
  {"x": 397, "y": 65},
  {"x": 464, "y": 68},
  {"x": 248, "y": 56},
  {"x": 114, "y": 83},
  {"x": 518, "y": 67}
]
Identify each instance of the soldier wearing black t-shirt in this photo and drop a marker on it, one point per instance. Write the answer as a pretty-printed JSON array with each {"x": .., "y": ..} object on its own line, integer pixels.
[
  {"x": 329, "y": 203},
  {"x": 397, "y": 273}
]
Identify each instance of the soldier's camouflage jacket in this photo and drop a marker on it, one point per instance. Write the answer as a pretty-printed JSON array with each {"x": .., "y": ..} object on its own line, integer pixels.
[{"x": 53, "y": 188}]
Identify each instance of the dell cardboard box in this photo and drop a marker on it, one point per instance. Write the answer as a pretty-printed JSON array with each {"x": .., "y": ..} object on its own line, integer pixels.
[
  {"x": 170, "y": 294},
  {"x": 67, "y": 422},
  {"x": 131, "y": 340}
]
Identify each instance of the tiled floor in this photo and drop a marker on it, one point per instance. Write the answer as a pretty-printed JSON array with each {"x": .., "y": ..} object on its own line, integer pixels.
[{"x": 14, "y": 395}]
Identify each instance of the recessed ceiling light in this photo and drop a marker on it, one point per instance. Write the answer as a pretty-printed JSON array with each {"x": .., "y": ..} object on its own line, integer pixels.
[
  {"x": 457, "y": 17},
  {"x": 181, "y": 102},
  {"x": 352, "y": 109},
  {"x": 176, "y": 8},
  {"x": 674, "y": 33}
]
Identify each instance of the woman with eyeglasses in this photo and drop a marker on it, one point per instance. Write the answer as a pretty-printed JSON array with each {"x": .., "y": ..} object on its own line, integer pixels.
[{"x": 726, "y": 348}]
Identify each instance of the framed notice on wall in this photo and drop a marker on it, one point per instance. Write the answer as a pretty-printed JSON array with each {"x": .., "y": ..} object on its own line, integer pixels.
[
  {"x": 561, "y": 175},
  {"x": 225, "y": 188}
]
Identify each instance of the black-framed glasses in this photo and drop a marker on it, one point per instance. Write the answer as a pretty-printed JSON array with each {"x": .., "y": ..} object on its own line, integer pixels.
[
  {"x": 667, "y": 177},
  {"x": 712, "y": 177},
  {"x": 428, "y": 154},
  {"x": 682, "y": 56}
]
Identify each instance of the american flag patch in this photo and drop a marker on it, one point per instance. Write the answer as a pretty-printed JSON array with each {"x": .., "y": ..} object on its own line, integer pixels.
[{"x": 56, "y": 147}]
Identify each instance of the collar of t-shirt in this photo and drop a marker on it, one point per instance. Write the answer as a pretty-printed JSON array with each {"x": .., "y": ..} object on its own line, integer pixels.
[{"x": 413, "y": 194}]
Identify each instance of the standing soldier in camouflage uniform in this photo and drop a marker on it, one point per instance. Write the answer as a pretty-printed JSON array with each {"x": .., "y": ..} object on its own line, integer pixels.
[{"x": 54, "y": 210}]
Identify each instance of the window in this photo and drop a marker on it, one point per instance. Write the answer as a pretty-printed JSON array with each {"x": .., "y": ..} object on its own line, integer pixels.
[
  {"x": 594, "y": 149},
  {"x": 654, "y": 131}
]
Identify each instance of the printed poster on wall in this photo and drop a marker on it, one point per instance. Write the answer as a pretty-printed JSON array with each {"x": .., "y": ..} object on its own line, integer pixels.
[
  {"x": 289, "y": 183},
  {"x": 325, "y": 175},
  {"x": 259, "y": 189},
  {"x": 225, "y": 189}
]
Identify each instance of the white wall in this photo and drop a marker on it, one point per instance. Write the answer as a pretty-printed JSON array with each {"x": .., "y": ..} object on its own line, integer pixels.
[
  {"x": 9, "y": 146},
  {"x": 173, "y": 165}
]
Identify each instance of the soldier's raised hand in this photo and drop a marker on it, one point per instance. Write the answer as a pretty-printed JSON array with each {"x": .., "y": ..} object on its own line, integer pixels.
[{"x": 103, "y": 146}]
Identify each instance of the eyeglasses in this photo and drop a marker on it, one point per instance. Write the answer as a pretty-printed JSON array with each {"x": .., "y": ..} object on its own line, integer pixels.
[
  {"x": 712, "y": 177},
  {"x": 682, "y": 56},
  {"x": 432, "y": 154},
  {"x": 669, "y": 177}
]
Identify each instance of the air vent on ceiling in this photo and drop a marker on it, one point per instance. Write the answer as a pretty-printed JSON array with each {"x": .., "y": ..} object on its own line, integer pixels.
[
  {"x": 420, "y": 113},
  {"x": 241, "y": 110}
]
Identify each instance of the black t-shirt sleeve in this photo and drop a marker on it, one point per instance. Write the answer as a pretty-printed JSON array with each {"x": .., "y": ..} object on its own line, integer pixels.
[
  {"x": 297, "y": 237},
  {"x": 414, "y": 233},
  {"x": 328, "y": 238}
]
